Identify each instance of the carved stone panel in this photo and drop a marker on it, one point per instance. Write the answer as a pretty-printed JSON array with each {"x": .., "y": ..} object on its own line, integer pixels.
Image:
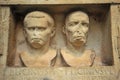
[
  {"x": 59, "y": 42},
  {"x": 4, "y": 33},
  {"x": 82, "y": 36}
]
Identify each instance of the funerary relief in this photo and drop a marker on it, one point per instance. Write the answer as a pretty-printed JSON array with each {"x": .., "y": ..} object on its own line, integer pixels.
[{"x": 63, "y": 42}]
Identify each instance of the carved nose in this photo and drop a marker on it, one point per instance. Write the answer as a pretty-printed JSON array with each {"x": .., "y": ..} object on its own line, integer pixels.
[
  {"x": 35, "y": 32},
  {"x": 79, "y": 31}
]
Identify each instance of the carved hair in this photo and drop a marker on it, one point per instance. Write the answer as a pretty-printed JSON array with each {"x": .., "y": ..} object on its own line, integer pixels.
[
  {"x": 39, "y": 14},
  {"x": 73, "y": 13}
]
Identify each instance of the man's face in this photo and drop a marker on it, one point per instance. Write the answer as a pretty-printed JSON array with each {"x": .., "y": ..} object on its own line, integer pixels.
[
  {"x": 76, "y": 29},
  {"x": 38, "y": 32}
]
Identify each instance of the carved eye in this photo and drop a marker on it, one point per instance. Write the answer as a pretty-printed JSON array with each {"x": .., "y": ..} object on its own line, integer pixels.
[
  {"x": 85, "y": 24},
  {"x": 73, "y": 23},
  {"x": 31, "y": 28},
  {"x": 36, "y": 28},
  {"x": 41, "y": 28}
]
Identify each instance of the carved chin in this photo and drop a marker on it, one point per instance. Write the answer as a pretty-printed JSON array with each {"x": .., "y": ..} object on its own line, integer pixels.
[
  {"x": 36, "y": 45},
  {"x": 79, "y": 43}
]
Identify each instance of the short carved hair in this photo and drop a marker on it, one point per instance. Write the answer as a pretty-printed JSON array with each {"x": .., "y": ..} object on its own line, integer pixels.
[
  {"x": 39, "y": 14},
  {"x": 75, "y": 12}
]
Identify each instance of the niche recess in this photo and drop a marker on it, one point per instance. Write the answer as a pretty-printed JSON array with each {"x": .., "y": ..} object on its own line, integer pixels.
[{"x": 99, "y": 37}]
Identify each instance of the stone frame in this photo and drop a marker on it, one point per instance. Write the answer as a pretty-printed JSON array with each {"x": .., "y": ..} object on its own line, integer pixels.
[{"x": 85, "y": 73}]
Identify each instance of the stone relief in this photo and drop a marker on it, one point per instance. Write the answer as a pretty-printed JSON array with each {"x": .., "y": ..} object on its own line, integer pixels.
[
  {"x": 76, "y": 30},
  {"x": 96, "y": 42},
  {"x": 39, "y": 28}
]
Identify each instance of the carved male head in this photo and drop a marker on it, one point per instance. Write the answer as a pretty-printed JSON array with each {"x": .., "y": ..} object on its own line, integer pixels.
[
  {"x": 76, "y": 28},
  {"x": 38, "y": 28}
]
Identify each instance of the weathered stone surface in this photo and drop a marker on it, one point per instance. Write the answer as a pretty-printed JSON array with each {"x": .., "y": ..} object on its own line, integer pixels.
[
  {"x": 4, "y": 32},
  {"x": 115, "y": 25},
  {"x": 115, "y": 19},
  {"x": 84, "y": 73},
  {"x": 87, "y": 73},
  {"x": 33, "y": 2}
]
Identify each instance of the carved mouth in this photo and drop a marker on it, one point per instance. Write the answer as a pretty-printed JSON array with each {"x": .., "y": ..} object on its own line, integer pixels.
[
  {"x": 78, "y": 38},
  {"x": 36, "y": 39}
]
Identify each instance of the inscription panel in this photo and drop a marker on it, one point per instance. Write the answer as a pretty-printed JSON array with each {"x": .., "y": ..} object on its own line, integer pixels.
[{"x": 61, "y": 74}]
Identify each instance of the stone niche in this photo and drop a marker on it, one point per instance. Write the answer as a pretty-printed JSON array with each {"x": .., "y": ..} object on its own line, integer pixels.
[
  {"x": 101, "y": 39},
  {"x": 99, "y": 34}
]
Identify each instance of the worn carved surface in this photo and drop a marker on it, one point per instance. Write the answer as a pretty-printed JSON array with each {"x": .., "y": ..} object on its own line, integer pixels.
[
  {"x": 38, "y": 30},
  {"x": 4, "y": 25},
  {"x": 84, "y": 73},
  {"x": 22, "y": 38},
  {"x": 115, "y": 31},
  {"x": 14, "y": 2},
  {"x": 118, "y": 26},
  {"x": 76, "y": 30},
  {"x": 4, "y": 30},
  {"x": 115, "y": 18}
]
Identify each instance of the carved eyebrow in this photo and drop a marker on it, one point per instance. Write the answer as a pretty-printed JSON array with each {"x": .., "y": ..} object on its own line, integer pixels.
[
  {"x": 86, "y": 22},
  {"x": 73, "y": 21}
]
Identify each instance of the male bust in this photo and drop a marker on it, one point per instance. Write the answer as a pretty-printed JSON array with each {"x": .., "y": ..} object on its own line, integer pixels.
[
  {"x": 38, "y": 31},
  {"x": 76, "y": 31}
]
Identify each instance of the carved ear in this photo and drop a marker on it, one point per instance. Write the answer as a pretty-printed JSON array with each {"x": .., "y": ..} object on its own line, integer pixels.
[
  {"x": 24, "y": 32},
  {"x": 64, "y": 30},
  {"x": 53, "y": 32}
]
